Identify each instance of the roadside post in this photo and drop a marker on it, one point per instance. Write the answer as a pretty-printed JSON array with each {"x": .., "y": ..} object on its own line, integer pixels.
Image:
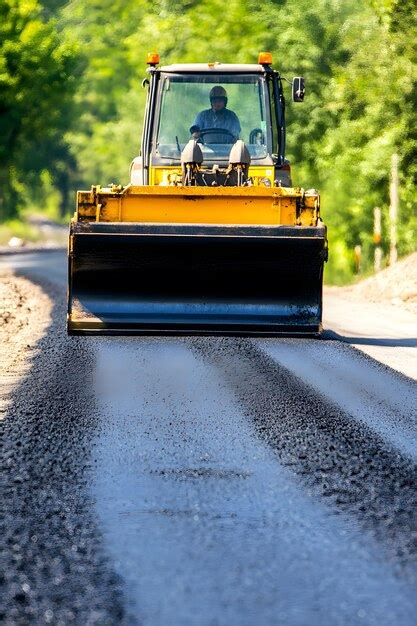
[
  {"x": 377, "y": 239},
  {"x": 357, "y": 253},
  {"x": 393, "y": 209}
]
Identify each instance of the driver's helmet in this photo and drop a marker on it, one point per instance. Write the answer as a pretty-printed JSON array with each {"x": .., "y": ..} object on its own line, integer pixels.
[{"x": 218, "y": 92}]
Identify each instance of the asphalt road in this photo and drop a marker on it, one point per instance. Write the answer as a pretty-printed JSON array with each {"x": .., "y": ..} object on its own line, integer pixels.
[{"x": 207, "y": 481}]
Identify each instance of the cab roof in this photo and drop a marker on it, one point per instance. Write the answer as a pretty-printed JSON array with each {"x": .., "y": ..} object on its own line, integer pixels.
[{"x": 216, "y": 68}]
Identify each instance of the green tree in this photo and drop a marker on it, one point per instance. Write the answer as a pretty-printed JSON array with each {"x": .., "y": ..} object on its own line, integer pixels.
[
  {"x": 372, "y": 99},
  {"x": 36, "y": 85}
]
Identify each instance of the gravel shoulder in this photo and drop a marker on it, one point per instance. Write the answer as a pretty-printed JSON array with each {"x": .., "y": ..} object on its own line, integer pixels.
[
  {"x": 25, "y": 313},
  {"x": 54, "y": 567},
  {"x": 395, "y": 285},
  {"x": 378, "y": 316}
]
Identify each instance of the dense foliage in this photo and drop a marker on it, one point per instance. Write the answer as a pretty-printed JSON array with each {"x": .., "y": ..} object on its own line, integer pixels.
[
  {"x": 36, "y": 101},
  {"x": 71, "y": 102}
]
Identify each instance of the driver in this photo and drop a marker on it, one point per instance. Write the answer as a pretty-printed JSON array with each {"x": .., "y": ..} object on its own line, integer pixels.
[{"x": 218, "y": 116}]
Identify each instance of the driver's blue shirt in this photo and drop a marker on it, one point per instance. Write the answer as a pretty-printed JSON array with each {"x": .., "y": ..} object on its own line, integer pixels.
[{"x": 225, "y": 119}]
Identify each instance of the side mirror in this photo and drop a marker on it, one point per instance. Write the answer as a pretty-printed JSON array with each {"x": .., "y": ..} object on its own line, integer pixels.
[{"x": 298, "y": 89}]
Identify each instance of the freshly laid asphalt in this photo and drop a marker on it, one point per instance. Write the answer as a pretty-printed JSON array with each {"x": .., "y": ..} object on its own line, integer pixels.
[{"x": 208, "y": 481}]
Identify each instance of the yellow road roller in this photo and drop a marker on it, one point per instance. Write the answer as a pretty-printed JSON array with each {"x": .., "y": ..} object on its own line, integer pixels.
[{"x": 210, "y": 235}]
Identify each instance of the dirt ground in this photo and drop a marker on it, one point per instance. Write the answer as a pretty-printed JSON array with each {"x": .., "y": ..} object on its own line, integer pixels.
[
  {"x": 396, "y": 284},
  {"x": 24, "y": 315}
]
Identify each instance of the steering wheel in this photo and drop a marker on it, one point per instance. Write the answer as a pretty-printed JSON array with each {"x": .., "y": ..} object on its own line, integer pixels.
[{"x": 217, "y": 131}]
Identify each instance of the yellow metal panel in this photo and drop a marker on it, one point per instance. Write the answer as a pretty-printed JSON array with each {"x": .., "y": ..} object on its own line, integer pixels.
[
  {"x": 311, "y": 209},
  {"x": 199, "y": 205}
]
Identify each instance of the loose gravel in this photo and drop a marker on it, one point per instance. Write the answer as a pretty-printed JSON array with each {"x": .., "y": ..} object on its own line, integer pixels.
[
  {"x": 396, "y": 284},
  {"x": 54, "y": 568},
  {"x": 25, "y": 312},
  {"x": 339, "y": 460}
]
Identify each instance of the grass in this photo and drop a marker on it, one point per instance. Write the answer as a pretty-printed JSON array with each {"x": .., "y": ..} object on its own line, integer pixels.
[
  {"x": 21, "y": 229},
  {"x": 30, "y": 232}
]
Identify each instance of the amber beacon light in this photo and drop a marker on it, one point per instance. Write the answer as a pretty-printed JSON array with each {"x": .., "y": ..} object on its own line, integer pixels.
[
  {"x": 265, "y": 58},
  {"x": 152, "y": 58}
]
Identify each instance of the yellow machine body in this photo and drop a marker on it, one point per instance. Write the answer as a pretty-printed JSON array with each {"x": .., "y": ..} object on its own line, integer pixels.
[{"x": 199, "y": 205}]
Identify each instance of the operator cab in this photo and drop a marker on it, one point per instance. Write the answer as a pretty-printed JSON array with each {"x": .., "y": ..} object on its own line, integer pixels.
[
  {"x": 217, "y": 105},
  {"x": 187, "y": 109}
]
